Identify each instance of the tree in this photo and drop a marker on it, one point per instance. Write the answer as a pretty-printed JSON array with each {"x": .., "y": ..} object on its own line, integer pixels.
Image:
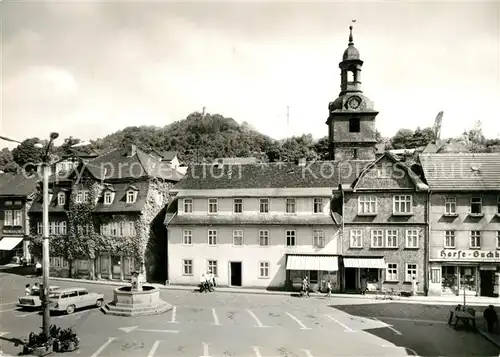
[
  {"x": 322, "y": 148},
  {"x": 402, "y": 139},
  {"x": 65, "y": 148},
  {"x": 11, "y": 167},
  {"x": 26, "y": 153}
]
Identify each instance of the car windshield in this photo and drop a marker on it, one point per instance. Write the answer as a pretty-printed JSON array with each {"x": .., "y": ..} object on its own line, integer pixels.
[{"x": 54, "y": 295}]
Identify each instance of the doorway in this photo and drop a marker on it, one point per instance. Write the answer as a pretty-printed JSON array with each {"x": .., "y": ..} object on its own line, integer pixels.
[
  {"x": 350, "y": 278},
  {"x": 235, "y": 274},
  {"x": 487, "y": 282}
]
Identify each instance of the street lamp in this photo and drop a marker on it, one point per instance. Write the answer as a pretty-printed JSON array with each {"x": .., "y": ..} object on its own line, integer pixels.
[{"x": 45, "y": 225}]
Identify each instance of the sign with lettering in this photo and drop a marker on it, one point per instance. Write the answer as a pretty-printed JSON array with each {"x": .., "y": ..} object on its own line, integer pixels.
[{"x": 468, "y": 255}]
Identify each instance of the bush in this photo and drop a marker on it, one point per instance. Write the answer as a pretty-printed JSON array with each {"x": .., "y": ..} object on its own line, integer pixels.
[{"x": 59, "y": 340}]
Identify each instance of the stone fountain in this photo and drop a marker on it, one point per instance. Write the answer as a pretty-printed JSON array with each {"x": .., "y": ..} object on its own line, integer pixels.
[{"x": 136, "y": 300}]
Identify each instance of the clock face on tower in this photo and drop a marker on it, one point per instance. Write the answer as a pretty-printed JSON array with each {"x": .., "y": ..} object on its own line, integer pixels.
[{"x": 354, "y": 102}]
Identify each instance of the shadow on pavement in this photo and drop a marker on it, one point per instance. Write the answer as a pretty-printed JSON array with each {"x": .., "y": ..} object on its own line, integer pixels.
[
  {"x": 422, "y": 329},
  {"x": 15, "y": 341},
  {"x": 28, "y": 271}
]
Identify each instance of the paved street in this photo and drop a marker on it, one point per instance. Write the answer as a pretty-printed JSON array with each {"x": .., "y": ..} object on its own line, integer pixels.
[{"x": 249, "y": 325}]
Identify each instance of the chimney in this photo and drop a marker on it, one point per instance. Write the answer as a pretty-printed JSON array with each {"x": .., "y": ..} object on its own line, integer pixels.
[
  {"x": 302, "y": 161},
  {"x": 132, "y": 150}
]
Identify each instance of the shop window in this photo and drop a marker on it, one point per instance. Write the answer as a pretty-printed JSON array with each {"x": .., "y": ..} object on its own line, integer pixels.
[
  {"x": 371, "y": 275},
  {"x": 468, "y": 279},
  {"x": 449, "y": 280},
  {"x": 313, "y": 276},
  {"x": 436, "y": 275}
]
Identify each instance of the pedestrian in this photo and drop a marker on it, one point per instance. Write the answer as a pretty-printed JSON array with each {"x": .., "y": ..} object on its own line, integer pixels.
[
  {"x": 364, "y": 285},
  {"x": 203, "y": 283},
  {"x": 490, "y": 315},
  {"x": 329, "y": 289},
  {"x": 27, "y": 290},
  {"x": 38, "y": 269},
  {"x": 414, "y": 285}
]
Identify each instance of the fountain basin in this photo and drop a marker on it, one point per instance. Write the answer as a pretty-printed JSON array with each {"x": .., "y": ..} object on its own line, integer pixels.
[{"x": 128, "y": 302}]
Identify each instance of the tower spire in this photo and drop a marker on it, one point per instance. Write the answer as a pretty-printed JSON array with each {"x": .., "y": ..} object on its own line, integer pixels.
[{"x": 351, "y": 43}]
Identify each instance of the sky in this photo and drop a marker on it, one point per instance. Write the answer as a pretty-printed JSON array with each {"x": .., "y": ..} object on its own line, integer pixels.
[{"x": 87, "y": 69}]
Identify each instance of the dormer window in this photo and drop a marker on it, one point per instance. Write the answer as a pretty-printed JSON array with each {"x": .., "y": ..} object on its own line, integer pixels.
[
  {"x": 108, "y": 197},
  {"x": 130, "y": 196},
  {"x": 61, "y": 199}
]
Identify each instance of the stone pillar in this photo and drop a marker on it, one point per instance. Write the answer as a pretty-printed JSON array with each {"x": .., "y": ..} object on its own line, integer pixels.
[
  {"x": 122, "y": 268},
  {"x": 459, "y": 285},
  {"x": 110, "y": 267}
]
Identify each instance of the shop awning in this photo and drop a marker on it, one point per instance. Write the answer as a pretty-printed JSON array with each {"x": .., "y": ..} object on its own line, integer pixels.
[
  {"x": 373, "y": 263},
  {"x": 312, "y": 262},
  {"x": 9, "y": 243}
]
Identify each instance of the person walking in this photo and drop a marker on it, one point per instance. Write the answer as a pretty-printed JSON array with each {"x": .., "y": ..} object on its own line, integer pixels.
[
  {"x": 203, "y": 283},
  {"x": 490, "y": 315},
  {"x": 27, "y": 290},
  {"x": 329, "y": 289},
  {"x": 38, "y": 269},
  {"x": 364, "y": 285}
]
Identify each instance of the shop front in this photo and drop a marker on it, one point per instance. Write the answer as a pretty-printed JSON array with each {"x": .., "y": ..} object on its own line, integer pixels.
[
  {"x": 319, "y": 269},
  {"x": 469, "y": 272},
  {"x": 357, "y": 268}
]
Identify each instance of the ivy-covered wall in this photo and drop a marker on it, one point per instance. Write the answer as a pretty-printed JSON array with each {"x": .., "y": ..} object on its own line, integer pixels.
[{"x": 147, "y": 247}]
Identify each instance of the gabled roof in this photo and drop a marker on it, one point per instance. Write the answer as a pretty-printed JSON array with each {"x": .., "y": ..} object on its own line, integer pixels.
[
  {"x": 418, "y": 183},
  {"x": 462, "y": 171},
  {"x": 17, "y": 184},
  {"x": 123, "y": 163},
  {"x": 271, "y": 175},
  {"x": 166, "y": 155}
]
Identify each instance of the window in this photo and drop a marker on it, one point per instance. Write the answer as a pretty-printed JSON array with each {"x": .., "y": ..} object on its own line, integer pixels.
[
  {"x": 187, "y": 237},
  {"x": 449, "y": 239},
  {"x": 8, "y": 203},
  {"x": 264, "y": 205},
  {"x": 86, "y": 196},
  {"x": 17, "y": 218},
  {"x": 450, "y": 205},
  {"x": 290, "y": 205},
  {"x": 318, "y": 205},
  {"x": 476, "y": 205},
  {"x": 354, "y": 125},
  {"x": 475, "y": 239},
  {"x": 402, "y": 204},
  {"x": 8, "y": 218},
  {"x": 212, "y": 237},
  {"x": 79, "y": 197},
  {"x": 187, "y": 267},
  {"x": 107, "y": 198},
  {"x": 61, "y": 199},
  {"x": 411, "y": 238},
  {"x": 263, "y": 269},
  {"x": 290, "y": 238},
  {"x": 392, "y": 238},
  {"x": 188, "y": 205},
  {"x": 318, "y": 238},
  {"x": 82, "y": 292},
  {"x": 367, "y": 204},
  {"x": 39, "y": 228},
  {"x": 130, "y": 196},
  {"x": 411, "y": 272},
  {"x": 498, "y": 205},
  {"x": 238, "y": 205},
  {"x": 356, "y": 240},
  {"x": 391, "y": 273},
  {"x": 498, "y": 239},
  {"x": 212, "y": 267},
  {"x": 263, "y": 238},
  {"x": 377, "y": 238},
  {"x": 212, "y": 205},
  {"x": 238, "y": 237},
  {"x": 436, "y": 275}
]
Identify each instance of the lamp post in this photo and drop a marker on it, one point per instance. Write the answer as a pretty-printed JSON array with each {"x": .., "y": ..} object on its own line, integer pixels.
[{"x": 45, "y": 225}]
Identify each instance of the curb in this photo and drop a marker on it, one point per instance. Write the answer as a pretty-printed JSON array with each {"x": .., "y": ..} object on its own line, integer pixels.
[{"x": 489, "y": 338}]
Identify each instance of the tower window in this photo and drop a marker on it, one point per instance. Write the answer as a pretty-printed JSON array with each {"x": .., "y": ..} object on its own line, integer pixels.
[
  {"x": 354, "y": 125},
  {"x": 350, "y": 76}
]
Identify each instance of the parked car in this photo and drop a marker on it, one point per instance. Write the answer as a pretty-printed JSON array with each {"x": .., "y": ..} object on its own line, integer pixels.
[
  {"x": 74, "y": 298},
  {"x": 34, "y": 301}
]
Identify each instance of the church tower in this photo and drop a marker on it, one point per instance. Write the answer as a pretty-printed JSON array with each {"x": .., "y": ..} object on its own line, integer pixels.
[{"x": 351, "y": 123}]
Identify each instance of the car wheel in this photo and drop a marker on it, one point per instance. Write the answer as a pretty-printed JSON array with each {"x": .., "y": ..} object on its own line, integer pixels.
[
  {"x": 99, "y": 303},
  {"x": 70, "y": 309}
]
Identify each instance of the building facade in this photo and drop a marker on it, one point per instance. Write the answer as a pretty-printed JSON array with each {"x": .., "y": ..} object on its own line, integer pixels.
[
  {"x": 106, "y": 217},
  {"x": 464, "y": 244},
  {"x": 254, "y": 225},
  {"x": 384, "y": 228},
  {"x": 16, "y": 195}
]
